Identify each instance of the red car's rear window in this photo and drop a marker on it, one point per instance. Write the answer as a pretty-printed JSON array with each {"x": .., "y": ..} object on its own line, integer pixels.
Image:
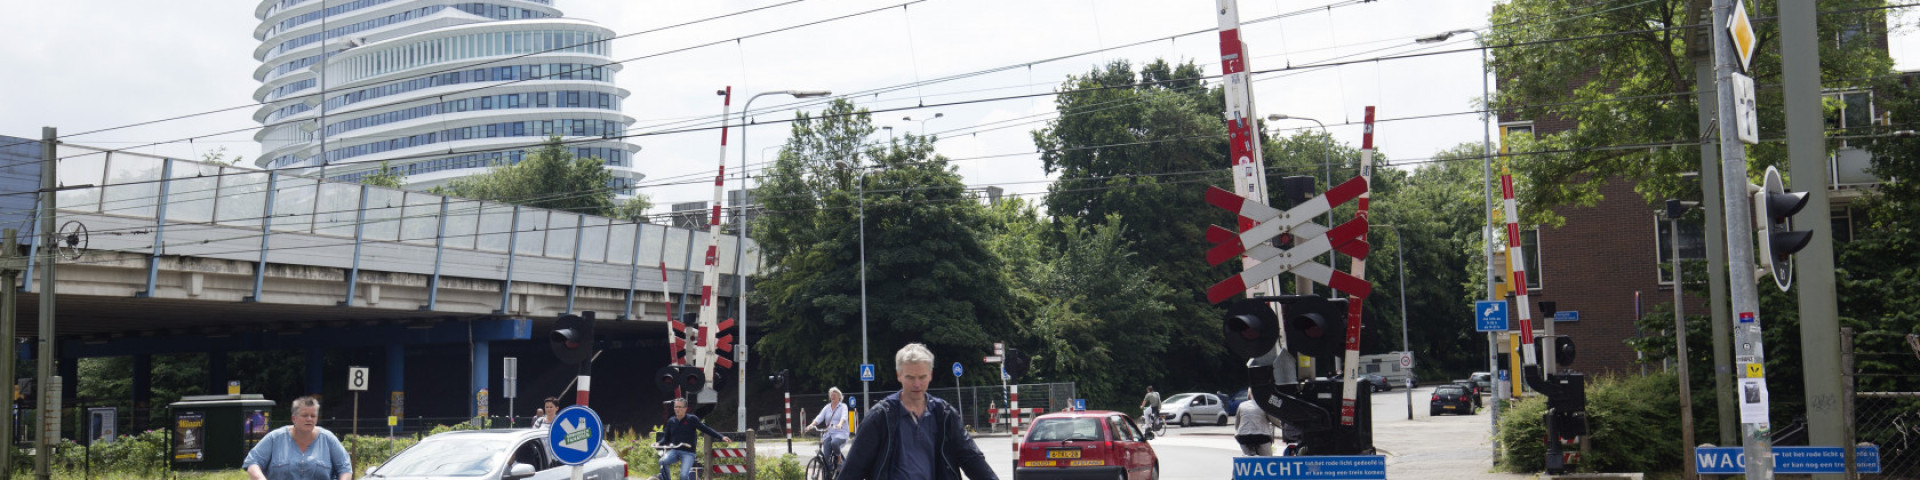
[{"x": 1066, "y": 430}]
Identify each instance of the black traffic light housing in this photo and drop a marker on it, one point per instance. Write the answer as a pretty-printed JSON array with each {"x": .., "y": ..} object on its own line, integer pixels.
[
  {"x": 1252, "y": 328},
  {"x": 1562, "y": 349},
  {"x": 1773, "y": 208},
  {"x": 688, "y": 378},
  {"x": 572, "y": 338},
  {"x": 780, "y": 379},
  {"x": 1296, "y": 190},
  {"x": 1016, "y": 362},
  {"x": 1314, "y": 325}
]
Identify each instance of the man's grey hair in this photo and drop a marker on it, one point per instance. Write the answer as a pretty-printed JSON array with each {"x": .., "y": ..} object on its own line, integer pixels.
[
  {"x": 913, "y": 353},
  {"x": 834, "y": 391},
  {"x": 680, "y": 401},
  {"x": 308, "y": 401}
]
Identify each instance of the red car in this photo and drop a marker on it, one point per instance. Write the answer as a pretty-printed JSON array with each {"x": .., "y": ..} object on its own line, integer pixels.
[{"x": 1094, "y": 444}]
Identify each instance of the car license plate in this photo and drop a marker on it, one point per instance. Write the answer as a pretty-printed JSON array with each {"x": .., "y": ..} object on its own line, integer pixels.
[{"x": 1063, "y": 454}]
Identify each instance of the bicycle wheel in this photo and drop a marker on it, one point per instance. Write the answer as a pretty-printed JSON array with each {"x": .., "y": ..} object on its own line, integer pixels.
[{"x": 817, "y": 469}]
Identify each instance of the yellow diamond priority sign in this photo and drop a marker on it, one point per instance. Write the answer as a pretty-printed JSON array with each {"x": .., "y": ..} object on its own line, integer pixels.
[{"x": 1740, "y": 28}]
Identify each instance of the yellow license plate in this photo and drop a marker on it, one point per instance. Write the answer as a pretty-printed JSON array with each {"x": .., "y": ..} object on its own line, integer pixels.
[
  {"x": 1086, "y": 463},
  {"x": 1039, "y": 463},
  {"x": 1063, "y": 454}
]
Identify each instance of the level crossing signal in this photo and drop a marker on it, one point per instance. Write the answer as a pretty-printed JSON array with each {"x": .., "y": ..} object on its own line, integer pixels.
[
  {"x": 572, "y": 338},
  {"x": 685, "y": 377}
]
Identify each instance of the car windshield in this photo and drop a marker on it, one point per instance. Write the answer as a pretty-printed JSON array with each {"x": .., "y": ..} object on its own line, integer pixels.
[
  {"x": 1065, "y": 430},
  {"x": 449, "y": 457},
  {"x": 1179, "y": 399}
]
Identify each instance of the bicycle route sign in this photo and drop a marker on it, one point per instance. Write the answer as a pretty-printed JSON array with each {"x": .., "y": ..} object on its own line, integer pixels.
[
  {"x": 575, "y": 435},
  {"x": 956, "y": 369}
]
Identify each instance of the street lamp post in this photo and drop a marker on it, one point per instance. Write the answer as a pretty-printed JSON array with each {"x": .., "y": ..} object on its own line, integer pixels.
[
  {"x": 1675, "y": 210},
  {"x": 1401, "y": 256},
  {"x": 740, "y": 245},
  {"x": 1486, "y": 231},
  {"x": 865, "y": 385},
  {"x": 923, "y": 123},
  {"x": 1326, "y": 163}
]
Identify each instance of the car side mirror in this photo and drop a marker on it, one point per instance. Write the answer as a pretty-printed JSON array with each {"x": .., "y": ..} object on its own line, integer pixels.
[{"x": 519, "y": 470}]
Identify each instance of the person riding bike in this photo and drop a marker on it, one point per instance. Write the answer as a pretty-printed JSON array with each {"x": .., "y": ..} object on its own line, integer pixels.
[
  {"x": 832, "y": 423},
  {"x": 1152, "y": 404}
]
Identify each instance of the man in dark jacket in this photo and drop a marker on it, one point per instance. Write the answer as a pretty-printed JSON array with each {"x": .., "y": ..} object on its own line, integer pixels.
[
  {"x": 911, "y": 435},
  {"x": 678, "y": 434}
]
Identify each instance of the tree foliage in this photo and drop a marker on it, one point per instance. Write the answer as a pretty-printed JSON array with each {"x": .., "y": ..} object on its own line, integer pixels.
[
  {"x": 1622, "y": 76},
  {"x": 1144, "y": 147},
  {"x": 386, "y": 177},
  {"x": 930, "y": 275},
  {"x": 551, "y": 178}
]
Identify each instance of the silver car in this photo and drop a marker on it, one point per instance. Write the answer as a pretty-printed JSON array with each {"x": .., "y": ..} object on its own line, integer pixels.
[
  {"x": 490, "y": 454},
  {"x": 1189, "y": 408}
]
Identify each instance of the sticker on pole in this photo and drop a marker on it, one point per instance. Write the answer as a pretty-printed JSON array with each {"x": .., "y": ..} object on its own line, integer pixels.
[{"x": 575, "y": 435}]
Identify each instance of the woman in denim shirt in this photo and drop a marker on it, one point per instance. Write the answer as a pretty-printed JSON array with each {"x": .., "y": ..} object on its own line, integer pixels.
[{"x": 302, "y": 451}]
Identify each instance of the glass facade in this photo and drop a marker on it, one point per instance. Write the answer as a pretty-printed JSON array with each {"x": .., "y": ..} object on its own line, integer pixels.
[{"x": 531, "y": 82}]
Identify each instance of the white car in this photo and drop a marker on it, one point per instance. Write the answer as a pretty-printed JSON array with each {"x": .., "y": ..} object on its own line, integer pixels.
[
  {"x": 502, "y": 454},
  {"x": 1188, "y": 408}
]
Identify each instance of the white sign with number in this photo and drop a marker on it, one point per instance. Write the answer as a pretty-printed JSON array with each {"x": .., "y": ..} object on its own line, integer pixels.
[
  {"x": 357, "y": 378},
  {"x": 1746, "y": 117}
]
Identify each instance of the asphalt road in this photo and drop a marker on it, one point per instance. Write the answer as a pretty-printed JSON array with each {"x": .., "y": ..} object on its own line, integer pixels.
[{"x": 1424, "y": 448}]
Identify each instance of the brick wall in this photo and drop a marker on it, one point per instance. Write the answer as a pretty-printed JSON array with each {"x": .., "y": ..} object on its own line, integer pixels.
[{"x": 1595, "y": 264}]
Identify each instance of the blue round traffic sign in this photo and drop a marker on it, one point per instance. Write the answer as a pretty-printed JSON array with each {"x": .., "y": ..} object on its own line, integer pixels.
[
  {"x": 575, "y": 435},
  {"x": 956, "y": 369}
]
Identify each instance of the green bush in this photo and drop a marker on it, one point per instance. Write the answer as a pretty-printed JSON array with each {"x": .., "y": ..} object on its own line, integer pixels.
[{"x": 1633, "y": 425}]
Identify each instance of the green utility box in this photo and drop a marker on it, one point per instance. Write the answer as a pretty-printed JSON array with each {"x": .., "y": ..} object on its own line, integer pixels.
[{"x": 215, "y": 432}]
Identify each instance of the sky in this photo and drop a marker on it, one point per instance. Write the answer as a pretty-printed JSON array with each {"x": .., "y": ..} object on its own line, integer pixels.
[{"x": 183, "y": 72}]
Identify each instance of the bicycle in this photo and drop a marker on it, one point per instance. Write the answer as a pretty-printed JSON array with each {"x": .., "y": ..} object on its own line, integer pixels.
[
  {"x": 1151, "y": 422},
  {"x": 826, "y": 462},
  {"x": 699, "y": 467}
]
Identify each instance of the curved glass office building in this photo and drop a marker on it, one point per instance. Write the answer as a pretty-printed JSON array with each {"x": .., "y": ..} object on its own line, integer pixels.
[{"x": 437, "y": 89}]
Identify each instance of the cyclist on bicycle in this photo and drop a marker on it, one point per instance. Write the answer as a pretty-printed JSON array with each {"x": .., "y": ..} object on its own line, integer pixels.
[
  {"x": 1152, "y": 404},
  {"x": 832, "y": 423}
]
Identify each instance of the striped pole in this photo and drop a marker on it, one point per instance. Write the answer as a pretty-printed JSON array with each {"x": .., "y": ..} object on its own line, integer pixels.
[
  {"x": 788, "y": 424},
  {"x": 580, "y": 395},
  {"x": 703, "y": 355},
  {"x": 1013, "y": 417},
  {"x": 673, "y": 331},
  {"x": 1249, "y": 165},
  {"x": 1350, "y": 389},
  {"x": 1516, "y": 260}
]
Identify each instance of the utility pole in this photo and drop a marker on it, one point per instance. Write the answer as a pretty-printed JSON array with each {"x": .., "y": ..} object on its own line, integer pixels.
[
  {"x": 1750, "y": 354},
  {"x": 1807, "y": 153},
  {"x": 9, "y": 304},
  {"x": 1700, "y": 48},
  {"x": 48, "y": 390}
]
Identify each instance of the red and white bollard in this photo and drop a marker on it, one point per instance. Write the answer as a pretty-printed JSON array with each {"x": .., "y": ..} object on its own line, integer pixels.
[
  {"x": 1013, "y": 416},
  {"x": 788, "y": 425}
]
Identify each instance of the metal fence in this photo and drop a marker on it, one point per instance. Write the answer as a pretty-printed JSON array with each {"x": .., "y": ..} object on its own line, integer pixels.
[
  {"x": 973, "y": 402},
  {"x": 1888, "y": 415}
]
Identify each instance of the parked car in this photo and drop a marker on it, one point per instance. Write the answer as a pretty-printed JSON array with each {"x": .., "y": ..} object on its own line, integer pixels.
[
  {"x": 1451, "y": 398},
  {"x": 1188, "y": 408},
  {"x": 1233, "y": 403},
  {"x": 1380, "y": 383},
  {"x": 504, "y": 454},
  {"x": 1086, "y": 444},
  {"x": 1483, "y": 380},
  {"x": 1471, "y": 388}
]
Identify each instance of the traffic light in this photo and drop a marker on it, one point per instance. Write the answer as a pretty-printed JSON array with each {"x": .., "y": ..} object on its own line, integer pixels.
[
  {"x": 780, "y": 379},
  {"x": 1314, "y": 324},
  {"x": 1297, "y": 189},
  {"x": 572, "y": 338},
  {"x": 1773, "y": 209},
  {"x": 685, "y": 377},
  {"x": 1016, "y": 362},
  {"x": 1252, "y": 327}
]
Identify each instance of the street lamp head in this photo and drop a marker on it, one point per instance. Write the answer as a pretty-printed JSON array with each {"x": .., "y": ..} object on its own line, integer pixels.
[
  {"x": 1277, "y": 117},
  {"x": 810, "y": 93},
  {"x": 938, "y": 115},
  {"x": 1442, "y": 36},
  {"x": 720, "y": 92}
]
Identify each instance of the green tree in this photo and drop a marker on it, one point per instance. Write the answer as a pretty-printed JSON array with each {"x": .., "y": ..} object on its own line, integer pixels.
[
  {"x": 387, "y": 177},
  {"x": 552, "y": 178},
  {"x": 930, "y": 275},
  {"x": 1436, "y": 211},
  {"x": 1144, "y": 147},
  {"x": 1621, "y": 75}
]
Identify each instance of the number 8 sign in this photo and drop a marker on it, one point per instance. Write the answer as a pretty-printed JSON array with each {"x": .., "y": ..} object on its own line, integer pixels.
[{"x": 357, "y": 378}]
